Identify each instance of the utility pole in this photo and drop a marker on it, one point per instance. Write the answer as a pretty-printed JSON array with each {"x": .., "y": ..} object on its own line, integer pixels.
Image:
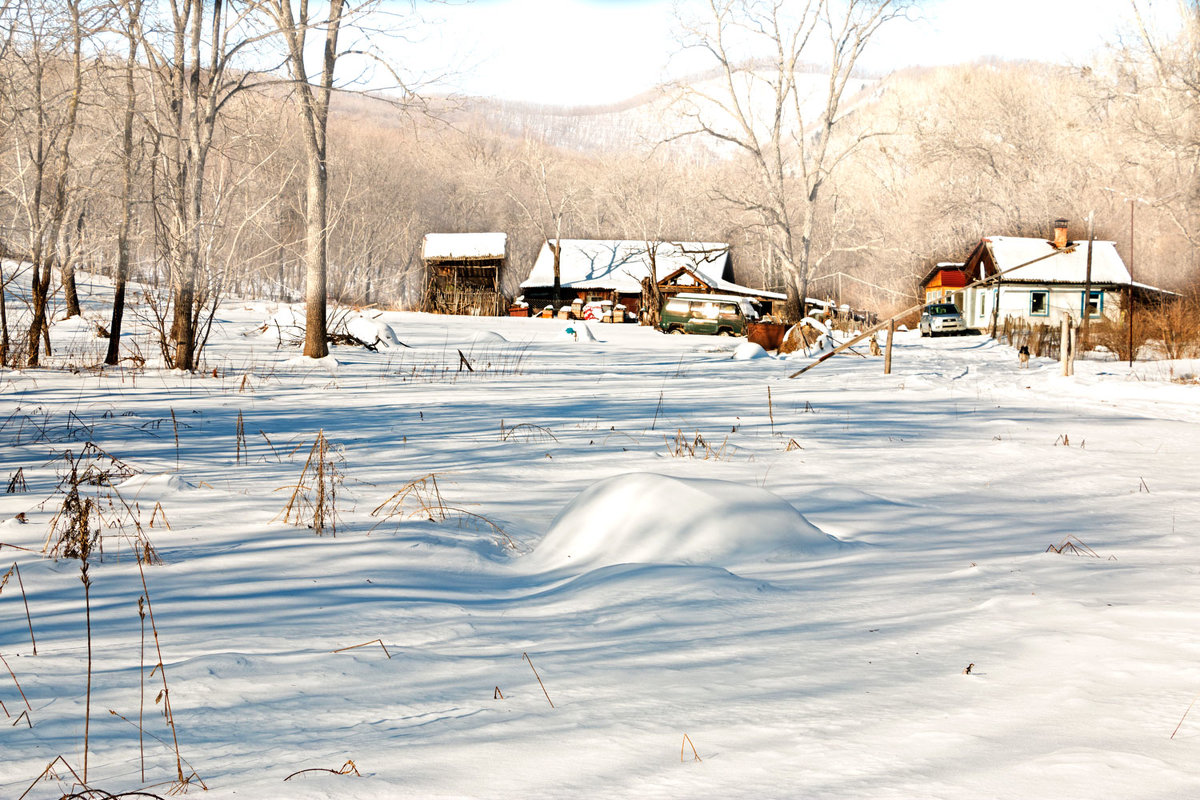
[
  {"x": 1129, "y": 309},
  {"x": 1087, "y": 290}
]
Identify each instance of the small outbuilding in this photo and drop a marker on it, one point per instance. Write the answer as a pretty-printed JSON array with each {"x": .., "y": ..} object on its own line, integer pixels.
[{"x": 463, "y": 273}]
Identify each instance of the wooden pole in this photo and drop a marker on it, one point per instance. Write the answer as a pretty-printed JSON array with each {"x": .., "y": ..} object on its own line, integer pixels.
[
  {"x": 1130, "y": 307},
  {"x": 1087, "y": 289},
  {"x": 887, "y": 356},
  {"x": 1074, "y": 347},
  {"x": 1064, "y": 345}
]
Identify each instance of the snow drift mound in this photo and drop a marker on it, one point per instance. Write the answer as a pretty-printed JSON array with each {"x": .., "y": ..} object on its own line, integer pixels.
[
  {"x": 747, "y": 351},
  {"x": 649, "y": 518},
  {"x": 489, "y": 337},
  {"x": 372, "y": 332}
]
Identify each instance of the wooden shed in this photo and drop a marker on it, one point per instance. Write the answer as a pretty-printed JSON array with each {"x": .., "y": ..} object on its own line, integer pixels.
[{"x": 463, "y": 273}]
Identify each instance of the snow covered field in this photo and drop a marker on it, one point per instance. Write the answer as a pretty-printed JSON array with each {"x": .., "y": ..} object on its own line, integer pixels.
[{"x": 656, "y": 604}]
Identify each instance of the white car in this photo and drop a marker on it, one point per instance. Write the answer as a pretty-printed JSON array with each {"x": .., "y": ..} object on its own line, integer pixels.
[{"x": 942, "y": 318}]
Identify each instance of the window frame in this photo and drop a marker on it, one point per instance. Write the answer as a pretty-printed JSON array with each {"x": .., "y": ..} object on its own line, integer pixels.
[{"x": 1045, "y": 312}]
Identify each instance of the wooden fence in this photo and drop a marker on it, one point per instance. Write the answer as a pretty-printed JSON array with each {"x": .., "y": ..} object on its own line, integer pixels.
[{"x": 1043, "y": 341}]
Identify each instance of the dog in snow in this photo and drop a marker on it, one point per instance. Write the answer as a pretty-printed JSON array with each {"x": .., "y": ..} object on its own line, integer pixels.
[{"x": 1023, "y": 356}]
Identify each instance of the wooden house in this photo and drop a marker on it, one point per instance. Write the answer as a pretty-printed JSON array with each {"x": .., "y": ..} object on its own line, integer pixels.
[
  {"x": 463, "y": 273},
  {"x": 689, "y": 280},
  {"x": 595, "y": 270},
  {"x": 1041, "y": 292}
]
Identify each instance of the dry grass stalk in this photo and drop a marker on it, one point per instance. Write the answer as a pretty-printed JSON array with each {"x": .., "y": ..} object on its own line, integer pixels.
[
  {"x": 314, "y": 498},
  {"x": 695, "y": 447},
  {"x": 16, "y": 683},
  {"x": 24, "y": 715},
  {"x": 164, "y": 696},
  {"x": 423, "y": 498},
  {"x": 178, "y": 787},
  {"x": 241, "y": 440},
  {"x": 1074, "y": 545},
  {"x": 364, "y": 644},
  {"x": 346, "y": 769},
  {"x": 688, "y": 741},
  {"x": 141, "y": 687},
  {"x": 525, "y": 432},
  {"x": 1185, "y": 713},
  {"x": 175, "y": 429},
  {"x": 792, "y": 445},
  {"x": 16, "y": 483},
  {"x": 273, "y": 450},
  {"x": 17, "y": 570},
  {"x": 497, "y": 695},
  {"x": 158, "y": 512},
  {"x": 82, "y": 522},
  {"x": 525, "y": 656},
  {"x": 49, "y": 772},
  {"x": 771, "y": 410}
]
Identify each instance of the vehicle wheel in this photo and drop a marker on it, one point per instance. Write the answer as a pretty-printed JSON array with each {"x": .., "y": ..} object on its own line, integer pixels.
[
  {"x": 677, "y": 331},
  {"x": 724, "y": 332}
]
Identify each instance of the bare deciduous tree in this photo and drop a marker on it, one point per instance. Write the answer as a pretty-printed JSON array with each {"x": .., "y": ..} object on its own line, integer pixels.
[{"x": 789, "y": 140}]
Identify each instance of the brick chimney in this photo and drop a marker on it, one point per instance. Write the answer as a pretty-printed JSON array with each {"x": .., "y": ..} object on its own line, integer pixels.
[{"x": 1060, "y": 234}]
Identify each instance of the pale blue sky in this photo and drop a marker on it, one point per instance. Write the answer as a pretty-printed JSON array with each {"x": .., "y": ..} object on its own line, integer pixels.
[{"x": 600, "y": 51}]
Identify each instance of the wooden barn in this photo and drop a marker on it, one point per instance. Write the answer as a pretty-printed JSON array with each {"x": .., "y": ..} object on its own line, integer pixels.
[{"x": 463, "y": 273}]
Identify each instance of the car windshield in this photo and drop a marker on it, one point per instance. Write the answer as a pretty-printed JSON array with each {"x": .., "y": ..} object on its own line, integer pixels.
[{"x": 942, "y": 308}]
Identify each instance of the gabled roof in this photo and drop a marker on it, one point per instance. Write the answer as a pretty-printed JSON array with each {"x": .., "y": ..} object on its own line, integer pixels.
[
  {"x": 1067, "y": 266},
  {"x": 464, "y": 245},
  {"x": 621, "y": 264},
  {"x": 943, "y": 266},
  {"x": 690, "y": 276}
]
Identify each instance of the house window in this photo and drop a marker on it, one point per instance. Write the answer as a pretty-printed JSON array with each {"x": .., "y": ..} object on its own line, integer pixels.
[
  {"x": 1039, "y": 304},
  {"x": 1095, "y": 304}
]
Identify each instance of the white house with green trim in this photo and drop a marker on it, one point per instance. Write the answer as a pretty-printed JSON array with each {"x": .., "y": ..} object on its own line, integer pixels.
[{"x": 1051, "y": 288}]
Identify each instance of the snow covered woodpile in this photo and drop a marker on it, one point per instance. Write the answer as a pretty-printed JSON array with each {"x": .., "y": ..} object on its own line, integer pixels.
[{"x": 463, "y": 273}]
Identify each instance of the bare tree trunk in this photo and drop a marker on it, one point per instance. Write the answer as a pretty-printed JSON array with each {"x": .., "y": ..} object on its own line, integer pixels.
[
  {"x": 45, "y": 247},
  {"x": 316, "y": 267},
  {"x": 293, "y": 27},
  {"x": 70, "y": 290},
  {"x": 113, "y": 357}
]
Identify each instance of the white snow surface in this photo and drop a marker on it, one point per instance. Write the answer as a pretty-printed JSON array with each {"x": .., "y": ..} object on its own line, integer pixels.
[
  {"x": 649, "y": 518},
  {"x": 679, "y": 488}
]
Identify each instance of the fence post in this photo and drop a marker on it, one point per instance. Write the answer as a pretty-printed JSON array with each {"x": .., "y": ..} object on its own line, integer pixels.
[
  {"x": 887, "y": 356},
  {"x": 1064, "y": 339}
]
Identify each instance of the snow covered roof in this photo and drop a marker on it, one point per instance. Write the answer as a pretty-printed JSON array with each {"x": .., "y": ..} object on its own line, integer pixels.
[
  {"x": 1066, "y": 267},
  {"x": 621, "y": 264},
  {"x": 465, "y": 245},
  {"x": 688, "y": 275}
]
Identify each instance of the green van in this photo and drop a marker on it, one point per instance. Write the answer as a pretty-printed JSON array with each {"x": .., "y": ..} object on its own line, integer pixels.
[{"x": 712, "y": 314}]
